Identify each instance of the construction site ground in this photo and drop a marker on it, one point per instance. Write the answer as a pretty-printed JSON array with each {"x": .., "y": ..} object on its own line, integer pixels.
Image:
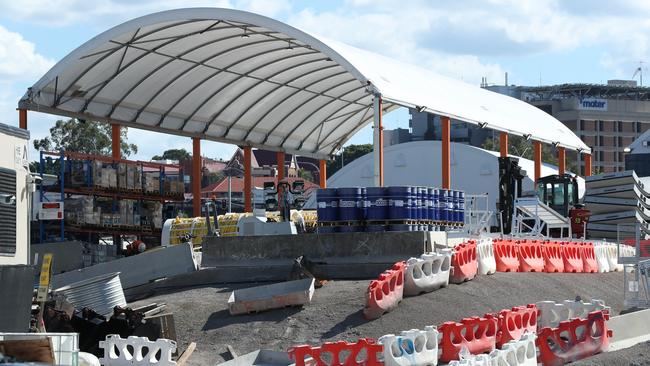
[{"x": 201, "y": 313}]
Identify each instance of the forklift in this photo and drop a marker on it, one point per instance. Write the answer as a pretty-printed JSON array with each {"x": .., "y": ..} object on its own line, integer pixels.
[{"x": 560, "y": 192}]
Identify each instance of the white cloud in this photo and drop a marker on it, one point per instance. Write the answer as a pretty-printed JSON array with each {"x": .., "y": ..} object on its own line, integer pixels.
[{"x": 19, "y": 60}]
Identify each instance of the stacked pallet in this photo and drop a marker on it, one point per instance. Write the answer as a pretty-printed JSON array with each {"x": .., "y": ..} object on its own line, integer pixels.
[{"x": 618, "y": 202}]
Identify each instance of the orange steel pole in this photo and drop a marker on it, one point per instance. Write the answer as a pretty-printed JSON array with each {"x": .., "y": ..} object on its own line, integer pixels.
[
  {"x": 503, "y": 142},
  {"x": 196, "y": 176},
  {"x": 381, "y": 144},
  {"x": 248, "y": 180},
  {"x": 446, "y": 161},
  {"x": 537, "y": 157},
  {"x": 378, "y": 143},
  {"x": 22, "y": 118},
  {"x": 280, "y": 161},
  {"x": 561, "y": 157},
  {"x": 116, "y": 141},
  {"x": 587, "y": 165},
  {"x": 322, "y": 173}
]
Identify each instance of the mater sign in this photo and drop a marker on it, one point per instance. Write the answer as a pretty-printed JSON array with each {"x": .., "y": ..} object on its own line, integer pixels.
[{"x": 592, "y": 104}]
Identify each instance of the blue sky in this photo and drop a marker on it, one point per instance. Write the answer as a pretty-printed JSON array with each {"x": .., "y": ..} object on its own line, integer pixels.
[{"x": 542, "y": 41}]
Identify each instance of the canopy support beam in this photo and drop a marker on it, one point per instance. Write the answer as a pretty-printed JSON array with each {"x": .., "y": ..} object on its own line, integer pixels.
[
  {"x": 537, "y": 157},
  {"x": 378, "y": 143},
  {"x": 322, "y": 173},
  {"x": 561, "y": 163},
  {"x": 248, "y": 179},
  {"x": 446, "y": 156},
  {"x": 503, "y": 144},
  {"x": 587, "y": 172},
  {"x": 196, "y": 177},
  {"x": 22, "y": 118},
  {"x": 116, "y": 141}
]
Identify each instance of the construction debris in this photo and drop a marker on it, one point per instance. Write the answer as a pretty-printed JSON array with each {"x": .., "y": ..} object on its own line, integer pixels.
[{"x": 277, "y": 295}]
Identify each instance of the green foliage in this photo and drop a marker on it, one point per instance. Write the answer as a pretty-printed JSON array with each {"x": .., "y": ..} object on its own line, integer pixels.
[
  {"x": 306, "y": 175},
  {"x": 211, "y": 178},
  {"x": 86, "y": 137},
  {"x": 350, "y": 153},
  {"x": 519, "y": 146},
  {"x": 173, "y": 154}
]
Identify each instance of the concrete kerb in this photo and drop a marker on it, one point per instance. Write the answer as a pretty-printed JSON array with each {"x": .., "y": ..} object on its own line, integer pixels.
[
  {"x": 332, "y": 256},
  {"x": 629, "y": 329},
  {"x": 274, "y": 296}
]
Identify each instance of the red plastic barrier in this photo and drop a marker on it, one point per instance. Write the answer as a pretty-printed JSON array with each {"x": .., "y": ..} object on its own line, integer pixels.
[
  {"x": 572, "y": 257},
  {"x": 561, "y": 345},
  {"x": 505, "y": 254},
  {"x": 385, "y": 293},
  {"x": 334, "y": 349},
  {"x": 530, "y": 256},
  {"x": 588, "y": 256},
  {"x": 552, "y": 253},
  {"x": 478, "y": 335},
  {"x": 465, "y": 265},
  {"x": 511, "y": 324}
]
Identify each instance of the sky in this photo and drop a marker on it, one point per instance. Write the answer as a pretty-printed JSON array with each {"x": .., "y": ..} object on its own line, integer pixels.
[{"x": 537, "y": 42}]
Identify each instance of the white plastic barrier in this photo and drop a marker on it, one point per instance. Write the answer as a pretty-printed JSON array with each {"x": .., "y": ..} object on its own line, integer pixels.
[
  {"x": 552, "y": 313},
  {"x": 474, "y": 360},
  {"x": 516, "y": 353},
  {"x": 411, "y": 348},
  {"x": 601, "y": 251},
  {"x": 612, "y": 258},
  {"x": 136, "y": 351},
  {"x": 485, "y": 253},
  {"x": 427, "y": 273}
]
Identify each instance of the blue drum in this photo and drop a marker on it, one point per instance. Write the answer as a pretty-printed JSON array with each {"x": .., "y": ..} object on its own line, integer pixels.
[
  {"x": 461, "y": 204},
  {"x": 350, "y": 204},
  {"x": 376, "y": 204},
  {"x": 436, "y": 204},
  {"x": 327, "y": 203},
  {"x": 431, "y": 211},
  {"x": 399, "y": 203},
  {"x": 442, "y": 205}
]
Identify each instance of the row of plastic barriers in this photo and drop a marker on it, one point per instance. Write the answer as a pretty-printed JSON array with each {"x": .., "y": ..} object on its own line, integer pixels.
[
  {"x": 549, "y": 333},
  {"x": 526, "y": 255}
]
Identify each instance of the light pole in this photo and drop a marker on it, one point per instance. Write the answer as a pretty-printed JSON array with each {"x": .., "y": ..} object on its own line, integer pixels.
[{"x": 229, "y": 171}]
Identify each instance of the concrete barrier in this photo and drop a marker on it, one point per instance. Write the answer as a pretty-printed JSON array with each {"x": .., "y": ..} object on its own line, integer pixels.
[
  {"x": 411, "y": 347},
  {"x": 138, "y": 269},
  {"x": 137, "y": 351},
  {"x": 334, "y": 256},
  {"x": 427, "y": 273},
  {"x": 275, "y": 296},
  {"x": 629, "y": 329}
]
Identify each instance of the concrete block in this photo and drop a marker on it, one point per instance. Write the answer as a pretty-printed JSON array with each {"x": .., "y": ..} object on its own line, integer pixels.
[
  {"x": 67, "y": 255},
  {"x": 629, "y": 329},
  {"x": 261, "y": 357},
  {"x": 334, "y": 256},
  {"x": 16, "y": 291},
  {"x": 138, "y": 269},
  {"x": 275, "y": 296}
]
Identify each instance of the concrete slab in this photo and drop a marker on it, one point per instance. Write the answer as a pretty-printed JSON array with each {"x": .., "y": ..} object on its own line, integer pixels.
[
  {"x": 334, "y": 256},
  {"x": 261, "y": 357},
  {"x": 629, "y": 329},
  {"x": 138, "y": 269},
  {"x": 67, "y": 255},
  {"x": 267, "y": 297},
  {"x": 16, "y": 291}
]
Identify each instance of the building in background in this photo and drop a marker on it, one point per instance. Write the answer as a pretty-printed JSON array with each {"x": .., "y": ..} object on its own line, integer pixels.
[
  {"x": 608, "y": 118},
  {"x": 637, "y": 155}
]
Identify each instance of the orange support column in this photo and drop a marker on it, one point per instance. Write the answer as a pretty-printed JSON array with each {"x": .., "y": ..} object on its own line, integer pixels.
[
  {"x": 196, "y": 176},
  {"x": 116, "y": 141},
  {"x": 322, "y": 174},
  {"x": 378, "y": 142},
  {"x": 22, "y": 118},
  {"x": 587, "y": 172},
  {"x": 248, "y": 180},
  {"x": 446, "y": 160},
  {"x": 537, "y": 157},
  {"x": 503, "y": 144},
  {"x": 561, "y": 157},
  {"x": 280, "y": 161}
]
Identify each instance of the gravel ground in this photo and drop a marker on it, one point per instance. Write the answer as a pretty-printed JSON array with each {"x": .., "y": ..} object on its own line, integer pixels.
[
  {"x": 638, "y": 355},
  {"x": 201, "y": 314}
]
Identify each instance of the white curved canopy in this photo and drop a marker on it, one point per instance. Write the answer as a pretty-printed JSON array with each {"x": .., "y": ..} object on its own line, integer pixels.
[{"x": 237, "y": 77}]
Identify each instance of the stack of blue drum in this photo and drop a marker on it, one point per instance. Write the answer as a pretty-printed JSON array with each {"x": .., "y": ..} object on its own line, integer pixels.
[{"x": 399, "y": 208}]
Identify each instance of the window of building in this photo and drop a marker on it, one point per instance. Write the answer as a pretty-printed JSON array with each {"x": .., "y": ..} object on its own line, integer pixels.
[
  {"x": 601, "y": 140},
  {"x": 600, "y": 126}
]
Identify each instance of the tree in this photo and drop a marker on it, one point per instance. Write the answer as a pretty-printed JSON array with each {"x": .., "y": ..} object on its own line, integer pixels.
[
  {"x": 306, "y": 175},
  {"x": 88, "y": 137},
  {"x": 173, "y": 154},
  {"x": 350, "y": 153},
  {"x": 519, "y": 146}
]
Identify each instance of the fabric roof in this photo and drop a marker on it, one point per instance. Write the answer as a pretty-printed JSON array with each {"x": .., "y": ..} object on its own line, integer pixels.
[{"x": 241, "y": 78}]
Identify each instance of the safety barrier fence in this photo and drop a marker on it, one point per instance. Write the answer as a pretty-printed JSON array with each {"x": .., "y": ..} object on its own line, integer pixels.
[{"x": 548, "y": 333}]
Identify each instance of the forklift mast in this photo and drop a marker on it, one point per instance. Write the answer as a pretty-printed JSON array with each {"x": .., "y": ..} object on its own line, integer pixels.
[{"x": 510, "y": 178}]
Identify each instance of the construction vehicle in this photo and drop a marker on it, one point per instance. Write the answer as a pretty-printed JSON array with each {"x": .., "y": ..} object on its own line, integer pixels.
[{"x": 559, "y": 192}]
